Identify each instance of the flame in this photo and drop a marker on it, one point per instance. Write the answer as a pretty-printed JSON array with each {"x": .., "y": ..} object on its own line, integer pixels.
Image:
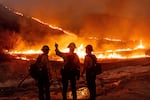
[
  {"x": 108, "y": 54},
  {"x": 112, "y": 39},
  {"x": 36, "y": 19},
  {"x": 26, "y": 52},
  {"x": 114, "y": 53},
  {"x": 81, "y": 50},
  {"x": 23, "y": 58},
  {"x": 140, "y": 46},
  {"x": 54, "y": 27}
]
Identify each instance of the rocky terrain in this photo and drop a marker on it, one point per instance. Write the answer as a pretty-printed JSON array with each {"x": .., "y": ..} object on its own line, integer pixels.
[{"x": 120, "y": 80}]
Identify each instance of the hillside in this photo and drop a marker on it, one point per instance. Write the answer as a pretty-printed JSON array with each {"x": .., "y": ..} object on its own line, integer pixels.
[{"x": 14, "y": 26}]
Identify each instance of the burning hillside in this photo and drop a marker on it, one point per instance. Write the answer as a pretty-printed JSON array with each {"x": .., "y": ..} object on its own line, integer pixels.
[
  {"x": 33, "y": 33},
  {"x": 18, "y": 30}
]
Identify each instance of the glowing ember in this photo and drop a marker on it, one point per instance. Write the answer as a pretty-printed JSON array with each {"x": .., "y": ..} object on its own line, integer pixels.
[
  {"x": 140, "y": 46},
  {"x": 112, "y": 39},
  {"x": 54, "y": 27},
  {"x": 112, "y": 55},
  {"x": 82, "y": 93},
  {"x": 26, "y": 52},
  {"x": 18, "y": 13},
  {"x": 23, "y": 58}
]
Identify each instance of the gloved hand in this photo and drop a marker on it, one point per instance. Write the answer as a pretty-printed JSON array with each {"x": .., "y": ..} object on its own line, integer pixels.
[{"x": 56, "y": 45}]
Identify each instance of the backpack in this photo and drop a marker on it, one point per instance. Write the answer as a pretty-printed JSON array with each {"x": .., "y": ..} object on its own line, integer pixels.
[
  {"x": 71, "y": 69},
  {"x": 34, "y": 69},
  {"x": 97, "y": 68}
]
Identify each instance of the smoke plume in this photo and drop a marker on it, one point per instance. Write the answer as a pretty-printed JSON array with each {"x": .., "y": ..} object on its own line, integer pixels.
[{"x": 119, "y": 19}]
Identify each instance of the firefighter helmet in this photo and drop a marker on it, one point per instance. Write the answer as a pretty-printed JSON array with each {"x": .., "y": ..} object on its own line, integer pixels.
[
  {"x": 89, "y": 47},
  {"x": 45, "y": 47},
  {"x": 72, "y": 45}
]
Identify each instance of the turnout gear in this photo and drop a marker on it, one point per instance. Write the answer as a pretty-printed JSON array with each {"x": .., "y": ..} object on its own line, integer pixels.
[{"x": 70, "y": 71}]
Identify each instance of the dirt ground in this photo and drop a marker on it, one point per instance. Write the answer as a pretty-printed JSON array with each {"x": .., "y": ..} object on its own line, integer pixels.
[{"x": 120, "y": 80}]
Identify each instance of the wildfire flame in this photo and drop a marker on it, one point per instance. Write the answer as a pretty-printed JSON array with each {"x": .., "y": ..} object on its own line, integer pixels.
[
  {"x": 54, "y": 27},
  {"x": 140, "y": 46},
  {"x": 81, "y": 49},
  {"x": 26, "y": 52},
  {"x": 101, "y": 55},
  {"x": 36, "y": 19},
  {"x": 114, "y": 54}
]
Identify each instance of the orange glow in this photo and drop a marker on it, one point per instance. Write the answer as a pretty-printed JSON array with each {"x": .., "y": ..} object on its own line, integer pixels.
[
  {"x": 23, "y": 58},
  {"x": 114, "y": 53},
  {"x": 140, "y": 46},
  {"x": 108, "y": 54},
  {"x": 80, "y": 51},
  {"x": 54, "y": 27},
  {"x": 112, "y": 39},
  {"x": 26, "y": 52}
]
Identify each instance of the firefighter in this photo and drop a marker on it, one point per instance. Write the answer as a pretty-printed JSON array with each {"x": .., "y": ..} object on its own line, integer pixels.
[
  {"x": 44, "y": 74},
  {"x": 90, "y": 75},
  {"x": 69, "y": 71}
]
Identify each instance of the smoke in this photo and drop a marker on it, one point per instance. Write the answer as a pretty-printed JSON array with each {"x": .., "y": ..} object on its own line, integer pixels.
[
  {"x": 119, "y": 19},
  {"x": 128, "y": 8}
]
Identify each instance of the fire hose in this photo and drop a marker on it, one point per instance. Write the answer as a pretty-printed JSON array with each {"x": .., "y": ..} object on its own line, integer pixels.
[
  {"x": 51, "y": 80},
  {"x": 20, "y": 83}
]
